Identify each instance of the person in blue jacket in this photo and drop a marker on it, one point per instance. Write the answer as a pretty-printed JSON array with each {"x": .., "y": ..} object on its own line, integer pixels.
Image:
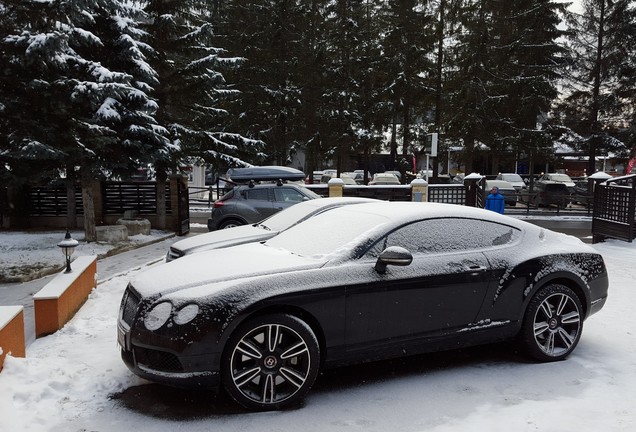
[{"x": 495, "y": 201}]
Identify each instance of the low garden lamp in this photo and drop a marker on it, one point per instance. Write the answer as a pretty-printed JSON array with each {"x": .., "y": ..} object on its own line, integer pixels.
[{"x": 68, "y": 245}]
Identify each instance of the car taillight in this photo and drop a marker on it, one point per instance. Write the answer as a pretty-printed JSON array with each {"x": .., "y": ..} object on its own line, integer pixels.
[{"x": 218, "y": 203}]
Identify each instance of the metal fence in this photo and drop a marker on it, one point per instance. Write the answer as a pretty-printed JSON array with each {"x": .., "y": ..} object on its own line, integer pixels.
[{"x": 614, "y": 209}]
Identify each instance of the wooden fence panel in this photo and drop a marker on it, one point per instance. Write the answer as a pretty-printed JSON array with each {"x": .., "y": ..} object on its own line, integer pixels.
[
  {"x": 141, "y": 197},
  {"x": 52, "y": 201}
]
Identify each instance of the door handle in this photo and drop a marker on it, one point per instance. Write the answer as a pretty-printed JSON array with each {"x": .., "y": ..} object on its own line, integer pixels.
[{"x": 476, "y": 269}]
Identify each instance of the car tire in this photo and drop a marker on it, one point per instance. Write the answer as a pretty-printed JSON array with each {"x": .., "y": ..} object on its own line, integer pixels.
[
  {"x": 552, "y": 324},
  {"x": 230, "y": 223},
  {"x": 270, "y": 362}
]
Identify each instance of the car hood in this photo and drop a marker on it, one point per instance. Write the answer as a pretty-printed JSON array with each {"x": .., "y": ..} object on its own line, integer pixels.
[
  {"x": 223, "y": 238},
  {"x": 219, "y": 266}
]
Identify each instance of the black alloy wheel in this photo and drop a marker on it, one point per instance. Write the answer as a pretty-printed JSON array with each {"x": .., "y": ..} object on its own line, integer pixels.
[
  {"x": 270, "y": 362},
  {"x": 553, "y": 323}
]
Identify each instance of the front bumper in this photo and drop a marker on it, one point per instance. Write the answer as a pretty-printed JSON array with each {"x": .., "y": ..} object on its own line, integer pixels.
[{"x": 164, "y": 366}]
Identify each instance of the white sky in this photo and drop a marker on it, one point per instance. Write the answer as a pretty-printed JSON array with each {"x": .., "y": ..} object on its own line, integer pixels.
[{"x": 67, "y": 381}]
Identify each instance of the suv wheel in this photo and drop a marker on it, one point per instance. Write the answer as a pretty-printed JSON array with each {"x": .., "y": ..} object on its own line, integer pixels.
[{"x": 230, "y": 223}]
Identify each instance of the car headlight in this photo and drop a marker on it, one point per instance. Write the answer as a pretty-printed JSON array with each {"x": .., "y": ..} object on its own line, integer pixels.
[
  {"x": 160, "y": 313},
  {"x": 186, "y": 314}
]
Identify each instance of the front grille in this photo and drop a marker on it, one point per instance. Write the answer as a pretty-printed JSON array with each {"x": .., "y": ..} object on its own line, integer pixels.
[
  {"x": 130, "y": 303},
  {"x": 158, "y": 360}
]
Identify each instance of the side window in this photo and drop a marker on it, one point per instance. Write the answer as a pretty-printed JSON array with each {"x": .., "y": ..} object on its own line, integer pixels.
[
  {"x": 447, "y": 235},
  {"x": 287, "y": 195},
  {"x": 256, "y": 194}
]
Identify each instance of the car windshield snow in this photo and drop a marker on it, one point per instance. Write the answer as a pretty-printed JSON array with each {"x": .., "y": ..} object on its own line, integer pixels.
[{"x": 326, "y": 233}]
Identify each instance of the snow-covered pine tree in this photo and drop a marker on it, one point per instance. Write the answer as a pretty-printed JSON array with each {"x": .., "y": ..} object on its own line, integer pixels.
[
  {"x": 68, "y": 106},
  {"x": 192, "y": 88},
  {"x": 595, "y": 109},
  {"x": 409, "y": 32},
  {"x": 528, "y": 61}
]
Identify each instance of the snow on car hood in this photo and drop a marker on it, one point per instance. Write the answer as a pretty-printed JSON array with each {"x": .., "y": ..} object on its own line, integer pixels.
[
  {"x": 221, "y": 238},
  {"x": 207, "y": 267}
]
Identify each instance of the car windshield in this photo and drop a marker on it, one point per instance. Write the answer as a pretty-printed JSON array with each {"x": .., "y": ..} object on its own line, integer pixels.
[
  {"x": 512, "y": 178},
  {"x": 561, "y": 178},
  {"x": 332, "y": 232}
]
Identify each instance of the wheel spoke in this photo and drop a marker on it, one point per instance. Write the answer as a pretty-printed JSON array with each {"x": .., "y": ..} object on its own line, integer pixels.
[
  {"x": 246, "y": 376},
  {"x": 540, "y": 327},
  {"x": 566, "y": 338},
  {"x": 273, "y": 334},
  {"x": 571, "y": 318},
  {"x": 548, "y": 346},
  {"x": 268, "y": 390},
  {"x": 296, "y": 350},
  {"x": 248, "y": 349},
  {"x": 547, "y": 310},
  {"x": 562, "y": 303},
  {"x": 292, "y": 376}
]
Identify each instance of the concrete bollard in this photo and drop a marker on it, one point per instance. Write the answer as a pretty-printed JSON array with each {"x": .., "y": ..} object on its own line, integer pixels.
[
  {"x": 419, "y": 190},
  {"x": 336, "y": 187}
]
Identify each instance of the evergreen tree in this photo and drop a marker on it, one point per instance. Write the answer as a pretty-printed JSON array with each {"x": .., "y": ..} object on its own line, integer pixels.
[
  {"x": 469, "y": 79},
  {"x": 600, "y": 77},
  {"x": 504, "y": 69},
  {"x": 66, "y": 107},
  {"x": 407, "y": 55},
  {"x": 349, "y": 77},
  {"x": 192, "y": 88},
  {"x": 528, "y": 62},
  {"x": 268, "y": 78}
]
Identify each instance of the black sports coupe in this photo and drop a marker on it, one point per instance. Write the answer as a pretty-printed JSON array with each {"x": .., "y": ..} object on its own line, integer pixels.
[{"x": 355, "y": 284}]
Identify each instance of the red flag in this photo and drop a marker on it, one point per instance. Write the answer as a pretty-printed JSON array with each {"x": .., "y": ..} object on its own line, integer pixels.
[{"x": 630, "y": 165}]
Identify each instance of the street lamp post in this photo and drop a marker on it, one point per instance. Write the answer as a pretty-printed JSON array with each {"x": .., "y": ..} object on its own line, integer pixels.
[{"x": 68, "y": 245}]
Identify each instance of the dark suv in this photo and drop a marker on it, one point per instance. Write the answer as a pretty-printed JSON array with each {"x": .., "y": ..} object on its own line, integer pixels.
[
  {"x": 551, "y": 192},
  {"x": 248, "y": 204}
]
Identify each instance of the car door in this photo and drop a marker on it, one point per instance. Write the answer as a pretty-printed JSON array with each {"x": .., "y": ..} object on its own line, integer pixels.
[
  {"x": 259, "y": 204},
  {"x": 440, "y": 292}
]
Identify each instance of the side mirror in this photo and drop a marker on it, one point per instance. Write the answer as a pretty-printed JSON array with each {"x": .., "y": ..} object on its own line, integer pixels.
[{"x": 393, "y": 255}]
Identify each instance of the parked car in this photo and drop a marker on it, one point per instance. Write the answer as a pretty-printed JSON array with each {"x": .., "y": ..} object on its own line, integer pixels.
[
  {"x": 355, "y": 284},
  {"x": 248, "y": 204},
  {"x": 558, "y": 177},
  {"x": 551, "y": 193},
  {"x": 348, "y": 180},
  {"x": 514, "y": 179},
  {"x": 259, "y": 231},
  {"x": 384, "y": 179},
  {"x": 582, "y": 193},
  {"x": 505, "y": 188},
  {"x": 315, "y": 177},
  {"x": 358, "y": 177}
]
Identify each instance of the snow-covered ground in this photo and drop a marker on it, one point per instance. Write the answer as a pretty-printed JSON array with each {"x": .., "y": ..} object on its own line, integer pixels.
[
  {"x": 74, "y": 380},
  {"x": 23, "y": 253}
]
